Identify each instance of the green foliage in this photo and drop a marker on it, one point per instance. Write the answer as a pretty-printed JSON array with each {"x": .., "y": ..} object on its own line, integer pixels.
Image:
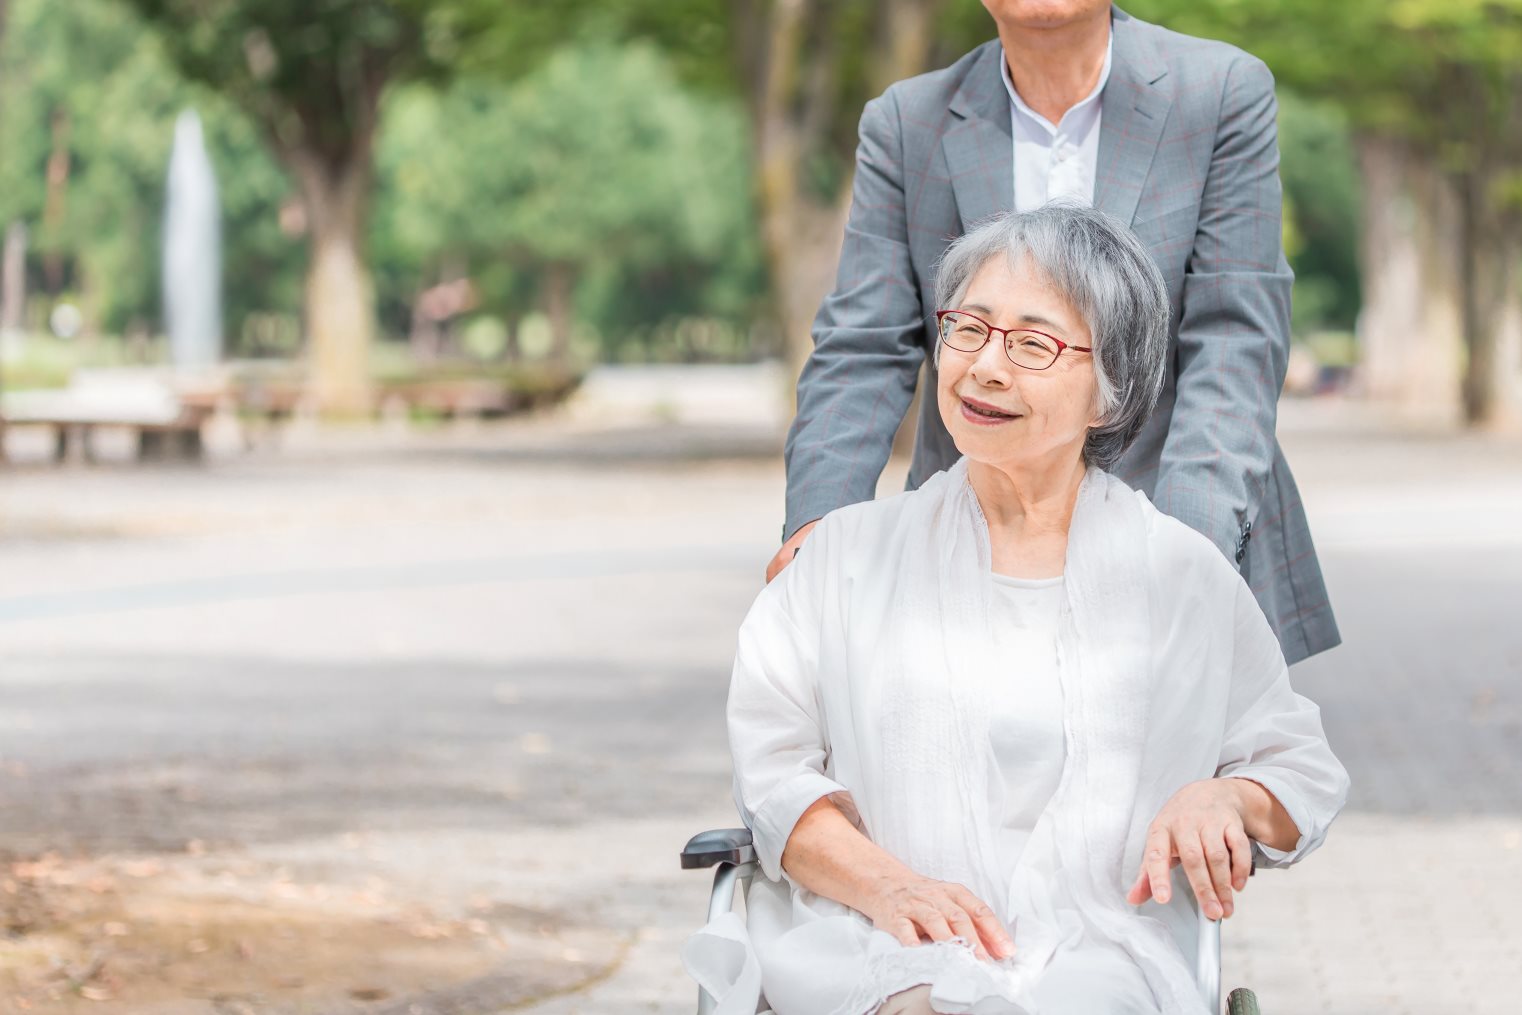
[
  {"x": 115, "y": 123},
  {"x": 310, "y": 72},
  {"x": 1322, "y": 206},
  {"x": 599, "y": 157},
  {"x": 710, "y": 42},
  {"x": 720, "y": 47},
  {"x": 307, "y": 71},
  {"x": 627, "y": 160},
  {"x": 597, "y": 160},
  {"x": 1442, "y": 73}
]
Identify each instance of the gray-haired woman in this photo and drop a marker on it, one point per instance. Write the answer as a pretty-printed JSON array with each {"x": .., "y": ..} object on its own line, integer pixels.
[{"x": 996, "y": 737}]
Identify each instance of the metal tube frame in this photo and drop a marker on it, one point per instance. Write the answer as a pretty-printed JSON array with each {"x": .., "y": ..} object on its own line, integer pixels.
[
  {"x": 721, "y": 901},
  {"x": 1207, "y": 962}
]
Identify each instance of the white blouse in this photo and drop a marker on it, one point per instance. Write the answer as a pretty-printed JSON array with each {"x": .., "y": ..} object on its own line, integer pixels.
[
  {"x": 1026, "y": 728},
  {"x": 851, "y": 673}
]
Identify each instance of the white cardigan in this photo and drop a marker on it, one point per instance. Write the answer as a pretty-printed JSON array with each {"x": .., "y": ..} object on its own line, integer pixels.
[{"x": 863, "y": 673}]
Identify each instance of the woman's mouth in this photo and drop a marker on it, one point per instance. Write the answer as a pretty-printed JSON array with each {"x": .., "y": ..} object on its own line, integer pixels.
[{"x": 982, "y": 415}]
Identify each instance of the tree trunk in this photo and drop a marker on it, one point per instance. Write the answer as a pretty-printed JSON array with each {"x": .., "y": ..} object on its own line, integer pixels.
[
  {"x": 792, "y": 96},
  {"x": 1485, "y": 269},
  {"x": 340, "y": 303},
  {"x": 13, "y": 283},
  {"x": 512, "y": 348},
  {"x": 559, "y": 285},
  {"x": 55, "y": 204},
  {"x": 1509, "y": 352},
  {"x": 1409, "y": 327},
  {"x": 803, "y": 240}
]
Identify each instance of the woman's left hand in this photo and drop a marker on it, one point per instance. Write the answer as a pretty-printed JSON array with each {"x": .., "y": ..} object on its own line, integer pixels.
[{"x": 1201, "y": 828}]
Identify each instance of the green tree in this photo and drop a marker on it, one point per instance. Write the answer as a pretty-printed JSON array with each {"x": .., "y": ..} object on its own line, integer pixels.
[
  {"x": 310, "y": 74},
  {"x": 597, "y": 160},
  {"x": 1322, "y": 209},
  {"x": 803, "y": 69}
]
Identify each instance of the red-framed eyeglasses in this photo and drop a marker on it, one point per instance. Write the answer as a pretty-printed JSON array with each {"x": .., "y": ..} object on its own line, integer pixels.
[{"x": 1025, "y": 347}]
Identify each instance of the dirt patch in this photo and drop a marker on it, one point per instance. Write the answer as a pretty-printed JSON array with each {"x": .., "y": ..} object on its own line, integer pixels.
[{"x": 170, "y": 937}]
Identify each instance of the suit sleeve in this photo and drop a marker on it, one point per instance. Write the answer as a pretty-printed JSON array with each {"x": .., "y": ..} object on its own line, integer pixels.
[
  {"x": 1233, "y": 339},
  {"x": 868, "y": 345},
  {"x": 1274, "y": 736}
]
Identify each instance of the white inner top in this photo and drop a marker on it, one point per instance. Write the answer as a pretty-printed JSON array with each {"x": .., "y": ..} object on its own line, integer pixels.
[{"x": 1026, "y": 727}]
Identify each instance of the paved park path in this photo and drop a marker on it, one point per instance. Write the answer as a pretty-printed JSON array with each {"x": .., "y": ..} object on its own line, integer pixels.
[{"x": 435, "y": 714}]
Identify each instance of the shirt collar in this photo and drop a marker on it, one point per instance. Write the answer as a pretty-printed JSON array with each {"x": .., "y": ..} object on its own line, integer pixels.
[{"x": 1092, "y": 97}]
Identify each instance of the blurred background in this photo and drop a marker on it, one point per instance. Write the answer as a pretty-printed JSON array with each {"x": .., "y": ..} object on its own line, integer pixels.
[{"x": 391, "y": 403}]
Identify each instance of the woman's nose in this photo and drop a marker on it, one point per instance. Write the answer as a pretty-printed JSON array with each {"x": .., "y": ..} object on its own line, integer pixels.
[{"x": 991, "y": 366}]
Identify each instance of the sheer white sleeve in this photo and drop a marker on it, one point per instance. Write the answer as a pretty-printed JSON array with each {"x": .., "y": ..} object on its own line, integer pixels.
[
  {"x": 1274, "y": 736},
  {"x": 776, "y": 727}
]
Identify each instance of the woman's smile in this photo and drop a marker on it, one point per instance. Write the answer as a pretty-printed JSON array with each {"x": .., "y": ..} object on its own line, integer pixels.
[{"x": 983, "y": 414}]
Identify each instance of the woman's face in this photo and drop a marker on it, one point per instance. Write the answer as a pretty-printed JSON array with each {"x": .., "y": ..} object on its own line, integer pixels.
[{"x": 1046, "y": 414}]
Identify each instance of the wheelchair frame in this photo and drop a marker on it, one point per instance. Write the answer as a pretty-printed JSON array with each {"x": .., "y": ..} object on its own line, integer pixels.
[{"x": 730, "y": 851}]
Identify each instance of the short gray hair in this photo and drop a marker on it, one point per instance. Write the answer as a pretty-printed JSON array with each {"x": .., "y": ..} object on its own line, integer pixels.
[{"x": 1107, "y": 275}]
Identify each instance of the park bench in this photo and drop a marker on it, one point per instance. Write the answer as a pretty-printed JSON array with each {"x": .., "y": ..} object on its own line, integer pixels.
[{"x": 165, "y": 422}]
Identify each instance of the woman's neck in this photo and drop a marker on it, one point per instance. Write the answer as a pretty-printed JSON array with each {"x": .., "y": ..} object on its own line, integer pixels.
[
  {"x": 1028, "y": 509},
  {"x": 1054, "y": 68},
  {"x": 1024, "y": 497}
]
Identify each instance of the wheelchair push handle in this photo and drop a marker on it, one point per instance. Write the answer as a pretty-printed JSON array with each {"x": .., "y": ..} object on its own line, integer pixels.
[{"x": 719, "y": 845}]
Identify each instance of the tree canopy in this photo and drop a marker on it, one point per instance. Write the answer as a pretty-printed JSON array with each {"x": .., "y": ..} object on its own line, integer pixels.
[{"x": 621, "y": 165}]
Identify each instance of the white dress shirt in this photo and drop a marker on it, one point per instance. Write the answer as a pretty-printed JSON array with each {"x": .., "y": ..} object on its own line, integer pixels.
[{"x": 1055, "y": 162}]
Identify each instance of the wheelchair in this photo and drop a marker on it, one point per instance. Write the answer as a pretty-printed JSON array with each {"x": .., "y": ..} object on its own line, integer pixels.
[{"x": 730, "y": 851}]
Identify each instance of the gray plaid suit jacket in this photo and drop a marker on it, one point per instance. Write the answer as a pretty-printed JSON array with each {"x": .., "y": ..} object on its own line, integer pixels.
[{"x": 1189, "y": 157}]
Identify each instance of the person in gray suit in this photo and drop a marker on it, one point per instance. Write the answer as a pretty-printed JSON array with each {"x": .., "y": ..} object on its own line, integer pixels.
[{"x": 1174, "y": 136}]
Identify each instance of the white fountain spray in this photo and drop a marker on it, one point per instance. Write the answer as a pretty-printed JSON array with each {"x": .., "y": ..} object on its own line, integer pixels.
[{"x": 192, "y": 251}]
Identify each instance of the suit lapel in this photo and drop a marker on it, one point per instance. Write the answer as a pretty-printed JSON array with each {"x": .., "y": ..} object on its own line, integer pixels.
[
  {"x": 980, "y": 149},
  {"x": 1134, "y": 108},
  {"x": 978, "y": 146}
]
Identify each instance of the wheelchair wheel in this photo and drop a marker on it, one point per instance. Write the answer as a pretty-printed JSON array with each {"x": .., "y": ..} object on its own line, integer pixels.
[{"x": 1241, "y": 1002}]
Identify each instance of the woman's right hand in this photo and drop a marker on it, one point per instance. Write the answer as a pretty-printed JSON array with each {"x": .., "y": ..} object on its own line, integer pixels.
[
  {"x": 913, "y": 908},
  {"x": 827, "y": 854}
]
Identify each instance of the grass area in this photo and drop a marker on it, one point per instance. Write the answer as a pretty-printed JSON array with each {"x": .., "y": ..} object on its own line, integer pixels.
[{"x": 47, "y": 362}]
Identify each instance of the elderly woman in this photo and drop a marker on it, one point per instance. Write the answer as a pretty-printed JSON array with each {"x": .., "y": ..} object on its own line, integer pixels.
[{"x": 991, "y": 735}]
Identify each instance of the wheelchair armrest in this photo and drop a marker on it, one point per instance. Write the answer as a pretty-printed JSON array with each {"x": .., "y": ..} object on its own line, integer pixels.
[{"x": 720, "y": 845}]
